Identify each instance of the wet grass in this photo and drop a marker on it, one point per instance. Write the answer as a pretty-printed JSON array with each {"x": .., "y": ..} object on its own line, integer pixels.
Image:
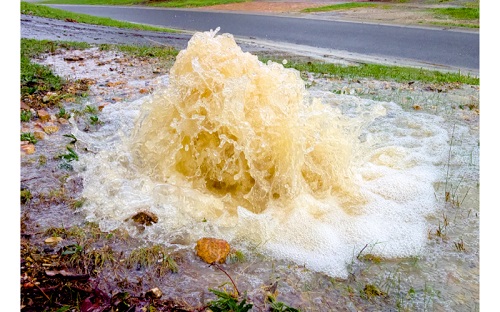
[
  {"x": 165, "y": 53},
  {"x": 40, "y": 87},
  {"x": 44, "y": 11},
  {"x": 342, "y": 6},
  {"x": 37, "y": 80},
  {"x": 458, "y": 13},
  {"x": 156, "y": 255},
  {"x": 165, "y": 3},
  {"x": 382, "y": 72}
]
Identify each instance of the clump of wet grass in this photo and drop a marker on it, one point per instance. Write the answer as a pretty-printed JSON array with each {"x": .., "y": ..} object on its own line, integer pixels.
[
  {"x": 26, "y": 115},
  {"x": 28, "y": 136},
  {"x": 77, "y": 203},
  {"x": 227, "y": 301},
  {"x": 235, "y": 256},
  {"x": 156, "y": 255},
  {"x": 69, "y": 156},
  {"x": 371, "y": 291},
  {"x": 25, "y": 196},
  {"x": 62, "y": 113},
  {"x": 460, "y": 246},
  {"x": 278, "y": 306},
  {"x": 36, "y": 78}
]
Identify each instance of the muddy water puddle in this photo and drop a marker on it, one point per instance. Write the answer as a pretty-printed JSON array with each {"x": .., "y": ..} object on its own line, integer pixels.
[{"x": 424, "y": 133}]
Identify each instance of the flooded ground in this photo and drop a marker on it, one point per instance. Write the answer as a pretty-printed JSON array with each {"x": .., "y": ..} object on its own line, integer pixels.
[{"x": 442, "y": 274}]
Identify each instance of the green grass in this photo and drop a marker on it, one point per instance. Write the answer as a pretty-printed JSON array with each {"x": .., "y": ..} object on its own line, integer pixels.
[
  {"x": 165, "y": 3},
  {"x": 382, "y": 72},
  {"x": 458, "y": 13},
  {"x": 191, "y": 3},
  {"x": 44, "y": 11},
  {"x": 342, "y": 6},
  {"x": 95, "y": 2},
  {"x": 165, "y": 53},
  {"x": 28, "y": 136},
  {"x": 36, "y": 78}
]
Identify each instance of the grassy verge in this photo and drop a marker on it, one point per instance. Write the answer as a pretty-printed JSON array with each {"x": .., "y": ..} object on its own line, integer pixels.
[
  {"x": 44, "y": 11},
  {"x": 342, "y": 6},
  {"x": 381, "y": 72},
  {"x": 458, "y": 13},
  {"x": 165, "y": 3}
]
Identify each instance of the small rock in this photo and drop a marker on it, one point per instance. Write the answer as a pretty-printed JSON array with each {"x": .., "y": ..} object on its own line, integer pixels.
[
  {"x": 24, "y": 106},
  {"x": 50, "y": 128},
  {"x": 102, "y": 105},
  {"x": 28, "y": 148},
  {"x": 39, "y": 135},
  {"x": 417, "y": 107},
  {"x": 212, "y": 250},
  {"x": 53, "y": 240},
  {"x": 115, "y": 84},
  {"x": 154, "y": 293},
  {"x": 63, "y": 121},
  {"x": 43, "y": 115},
  {"x": 74, "y": 58},
  {"x": 145, "y": 217}
]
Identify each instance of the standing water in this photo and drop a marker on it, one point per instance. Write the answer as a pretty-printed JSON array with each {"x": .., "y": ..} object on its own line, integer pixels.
[{"x": 236, "y": 149}]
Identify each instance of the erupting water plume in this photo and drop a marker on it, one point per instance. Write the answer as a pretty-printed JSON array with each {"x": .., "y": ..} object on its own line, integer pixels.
[
  {"x": 237, "y": 149},
  {"x": 243, "y": 130}
]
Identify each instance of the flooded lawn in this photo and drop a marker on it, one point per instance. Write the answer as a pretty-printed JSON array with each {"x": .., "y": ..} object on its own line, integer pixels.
[{"x": 334, "y": 194}]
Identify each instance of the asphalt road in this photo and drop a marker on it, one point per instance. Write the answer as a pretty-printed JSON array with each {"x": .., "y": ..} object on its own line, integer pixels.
[{"x": 448, "y": 48}]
